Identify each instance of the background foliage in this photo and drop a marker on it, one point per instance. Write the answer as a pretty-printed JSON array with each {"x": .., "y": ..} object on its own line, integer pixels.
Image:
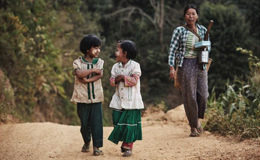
[
  {"x": 37, "y": 49},
  {"x": 237, "y": 111}
]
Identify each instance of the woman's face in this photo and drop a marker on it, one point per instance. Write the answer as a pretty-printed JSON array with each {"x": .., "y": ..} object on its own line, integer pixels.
[{"x": 191, "y": 16}]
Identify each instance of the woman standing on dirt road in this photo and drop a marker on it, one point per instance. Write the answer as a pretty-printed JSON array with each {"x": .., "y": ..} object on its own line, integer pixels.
[{"x": 191, "y": 75}]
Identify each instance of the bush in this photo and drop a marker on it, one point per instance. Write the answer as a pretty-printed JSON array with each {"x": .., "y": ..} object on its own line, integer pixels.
[{"x": 237, "y": 111}]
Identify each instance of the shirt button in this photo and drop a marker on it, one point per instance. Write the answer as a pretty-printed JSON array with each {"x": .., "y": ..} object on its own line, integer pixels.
[{"x": 121, "y": 88}]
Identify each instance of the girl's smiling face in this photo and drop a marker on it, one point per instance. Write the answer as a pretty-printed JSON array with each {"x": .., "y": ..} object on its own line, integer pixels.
[
  {"x": 94, "y": 51},
  {"x": 120, "y": 56}
]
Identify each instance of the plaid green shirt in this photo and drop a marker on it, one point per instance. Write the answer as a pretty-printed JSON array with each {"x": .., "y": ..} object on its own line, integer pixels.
[{"x": 178, "y": 44}]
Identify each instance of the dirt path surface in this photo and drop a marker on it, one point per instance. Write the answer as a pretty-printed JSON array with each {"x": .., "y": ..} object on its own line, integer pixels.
[{"x": 161, "y": 140}]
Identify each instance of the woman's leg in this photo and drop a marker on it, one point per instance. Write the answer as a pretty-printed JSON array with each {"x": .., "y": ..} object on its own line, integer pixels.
[
  {"x": 202, "y": 92},
  {"x": 202, "y": 95},
  {"x": 187, "y": 75}
]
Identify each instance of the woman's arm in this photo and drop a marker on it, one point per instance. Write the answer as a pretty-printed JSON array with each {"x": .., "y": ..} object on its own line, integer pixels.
[
  {"x": 174, "y": 46},
  {"x": 172, "y": 73}
]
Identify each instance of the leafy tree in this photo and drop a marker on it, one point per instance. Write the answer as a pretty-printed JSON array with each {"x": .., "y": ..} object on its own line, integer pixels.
[
  {"x": 32, "y": 62},
  {"x": 25, "y": 45},
  {"x": 251, "y": 11},
  {"x": 229, "y": 31}
]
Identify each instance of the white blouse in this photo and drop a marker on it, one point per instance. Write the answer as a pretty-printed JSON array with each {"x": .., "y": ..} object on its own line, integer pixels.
[{"x": 126, "y": 97}]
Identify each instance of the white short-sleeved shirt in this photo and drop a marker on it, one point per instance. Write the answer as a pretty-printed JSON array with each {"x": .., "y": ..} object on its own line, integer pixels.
[
  {"x": 126, "y": 97},
  {"x": 87, "y": 92}
]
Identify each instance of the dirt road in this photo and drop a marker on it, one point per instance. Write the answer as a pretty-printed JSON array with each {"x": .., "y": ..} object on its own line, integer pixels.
[{"x": 164, "y": 140}]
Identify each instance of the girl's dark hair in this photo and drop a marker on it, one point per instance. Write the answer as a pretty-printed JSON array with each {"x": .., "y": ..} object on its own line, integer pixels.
[
  {"x": 89, "y": 41},
  {"x": 129, "y": 47},
  {"x": 190, "y": 6}
]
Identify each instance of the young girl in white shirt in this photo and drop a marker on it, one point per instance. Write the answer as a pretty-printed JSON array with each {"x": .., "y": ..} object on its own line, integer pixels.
[{"x": 127, "y": 100}]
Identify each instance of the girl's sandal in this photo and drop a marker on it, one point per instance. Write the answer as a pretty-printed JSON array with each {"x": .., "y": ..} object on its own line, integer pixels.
[
  {"x": 85, "y": 147},
  {"x": 97, "y": 152},
  {"x": 123, "y": 149},
  {"x": 127, "y": 153}
]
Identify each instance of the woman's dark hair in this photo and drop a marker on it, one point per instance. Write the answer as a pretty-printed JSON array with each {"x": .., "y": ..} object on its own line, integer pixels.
[
  {"x": 129, "y": 47},
  {"x": 89, "y": 41},
  {"x": 190, "y": 6}
]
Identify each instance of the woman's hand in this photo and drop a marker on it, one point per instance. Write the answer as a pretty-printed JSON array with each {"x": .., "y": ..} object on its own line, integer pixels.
[{"x": 172, "y": 72}]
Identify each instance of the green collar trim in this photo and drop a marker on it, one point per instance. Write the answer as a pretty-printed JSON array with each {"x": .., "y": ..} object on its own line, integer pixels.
[{"x": 95, "y": 60}]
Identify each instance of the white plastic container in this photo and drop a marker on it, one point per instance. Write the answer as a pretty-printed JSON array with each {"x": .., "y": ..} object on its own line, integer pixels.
[
  {"x": 202, "y": 44},
  {"x": 204, "y": 56}
]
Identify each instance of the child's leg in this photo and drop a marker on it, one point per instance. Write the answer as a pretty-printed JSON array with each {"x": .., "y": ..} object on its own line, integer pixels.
[
  {"x": 97, "y": 124},
  {"x": 127, "y": 145},
  {"x": 127, "y": 126},
  {"x": 127, "y": 148},
  {"x": 116, "y": 114},
  {"x": 83, "y": 110}
]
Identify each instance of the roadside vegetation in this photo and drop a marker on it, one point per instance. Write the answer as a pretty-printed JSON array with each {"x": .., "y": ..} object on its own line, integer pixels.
[{"x": 237, "y": 110}]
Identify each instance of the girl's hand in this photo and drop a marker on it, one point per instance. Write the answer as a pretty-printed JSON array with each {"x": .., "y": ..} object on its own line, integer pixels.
[
  {"x": 120, "y": 78},
  {"x": 83, "y": 80},
  {"x": 172, "y": 72}
]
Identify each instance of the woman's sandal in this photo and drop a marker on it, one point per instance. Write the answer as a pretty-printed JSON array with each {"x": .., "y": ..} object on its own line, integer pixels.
[
  {"x": 200, "y": 129},
  {"x": 127, "y": 153},
  {"x": 97, "y": 152},
  {"x": 194, "y": 133},
  {"x": 85, "y": 147}
]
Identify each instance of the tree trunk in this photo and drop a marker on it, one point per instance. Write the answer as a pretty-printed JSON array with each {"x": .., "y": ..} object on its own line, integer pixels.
[{"x": 161, "y": 26}]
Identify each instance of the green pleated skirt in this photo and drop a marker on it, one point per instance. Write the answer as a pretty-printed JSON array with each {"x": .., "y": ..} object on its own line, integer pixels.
[{"x": 127, "y": 126}]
